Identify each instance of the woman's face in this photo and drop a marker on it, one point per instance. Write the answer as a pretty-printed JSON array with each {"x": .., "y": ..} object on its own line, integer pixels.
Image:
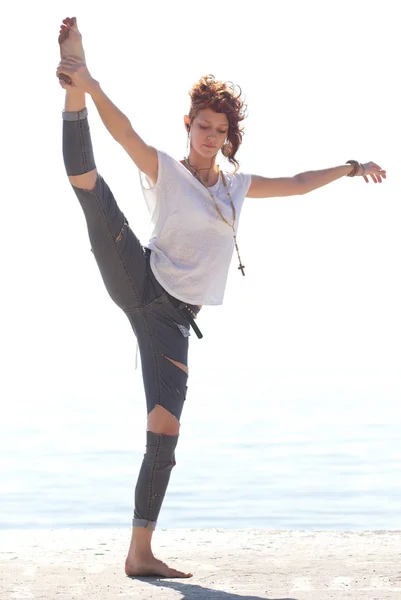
[{"x": 208, "y": 132}]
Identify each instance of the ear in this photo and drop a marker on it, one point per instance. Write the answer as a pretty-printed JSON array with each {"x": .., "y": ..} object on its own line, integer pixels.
[{"x": 187, "y": 123}]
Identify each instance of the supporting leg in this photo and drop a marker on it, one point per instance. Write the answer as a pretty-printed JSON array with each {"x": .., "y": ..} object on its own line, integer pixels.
[
  {"x": 153, "y": 479},
  {"x": 165, "y": 382}
]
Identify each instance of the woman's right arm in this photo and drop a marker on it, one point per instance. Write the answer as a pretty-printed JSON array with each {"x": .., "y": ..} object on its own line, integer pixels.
[{"x": 144, "y": 156}]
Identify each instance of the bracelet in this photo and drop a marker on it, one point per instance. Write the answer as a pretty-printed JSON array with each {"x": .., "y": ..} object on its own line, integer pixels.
[{"x": 355, "y": 165}]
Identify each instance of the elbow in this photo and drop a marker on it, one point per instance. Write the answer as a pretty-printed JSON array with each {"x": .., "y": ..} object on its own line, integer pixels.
[{"x": 301, "y": 184}]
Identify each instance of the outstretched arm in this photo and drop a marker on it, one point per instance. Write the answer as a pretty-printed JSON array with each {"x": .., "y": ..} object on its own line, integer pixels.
[
  {"x": 264, "y": 187},
  {"x": 144, "y": 156},
  {"x": 74, "y": 76}
]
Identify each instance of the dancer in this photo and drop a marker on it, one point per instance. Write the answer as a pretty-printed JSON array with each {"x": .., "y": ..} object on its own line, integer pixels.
[{"x": 195, "y": 209}]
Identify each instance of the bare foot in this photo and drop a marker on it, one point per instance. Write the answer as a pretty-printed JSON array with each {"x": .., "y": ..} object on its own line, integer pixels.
[
  {"x": 70, "y": 40},
  {"x": 151, "y": 566}
]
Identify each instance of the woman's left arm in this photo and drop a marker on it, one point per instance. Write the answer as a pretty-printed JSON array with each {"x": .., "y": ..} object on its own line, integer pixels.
[{"x": 265, "y": 187}]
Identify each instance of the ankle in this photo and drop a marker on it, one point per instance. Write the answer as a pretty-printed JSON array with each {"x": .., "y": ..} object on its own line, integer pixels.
[
  {"x": 141, "y": 544},
  {"x": 140, "y": 554}
]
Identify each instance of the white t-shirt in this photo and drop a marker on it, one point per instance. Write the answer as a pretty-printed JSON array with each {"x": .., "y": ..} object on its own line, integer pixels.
[{"x": 191, "y": 245}]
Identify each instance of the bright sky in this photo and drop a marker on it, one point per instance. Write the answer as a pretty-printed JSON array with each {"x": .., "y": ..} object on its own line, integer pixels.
[{"x": 321, "y": 298}]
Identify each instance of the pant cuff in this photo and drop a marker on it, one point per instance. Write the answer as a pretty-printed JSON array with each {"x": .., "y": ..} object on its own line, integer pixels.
[
  {"x": 75, "y": 115},
  {"x": 144, "y": 523}
]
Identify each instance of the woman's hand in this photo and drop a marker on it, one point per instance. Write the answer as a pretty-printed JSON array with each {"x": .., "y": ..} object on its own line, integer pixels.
[
  {"x": 74, "y": 75},
  {"x": 374, "y": 171}
]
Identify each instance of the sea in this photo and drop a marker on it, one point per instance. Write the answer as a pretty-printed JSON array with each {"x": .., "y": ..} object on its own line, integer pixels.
[{"x": 282, "y": 457}]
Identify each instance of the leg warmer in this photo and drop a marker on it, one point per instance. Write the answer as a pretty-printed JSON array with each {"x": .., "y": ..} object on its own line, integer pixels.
[
  {"x": 77, "y": 143},
  {"x": 153, "y": 478}
]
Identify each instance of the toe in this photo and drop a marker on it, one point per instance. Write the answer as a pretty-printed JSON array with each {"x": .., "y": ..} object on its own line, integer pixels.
[{"x": 175, "y": 573}]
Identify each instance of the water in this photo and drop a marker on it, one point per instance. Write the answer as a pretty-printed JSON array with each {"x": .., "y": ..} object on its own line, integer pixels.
[{"x": 288, "y": 456}]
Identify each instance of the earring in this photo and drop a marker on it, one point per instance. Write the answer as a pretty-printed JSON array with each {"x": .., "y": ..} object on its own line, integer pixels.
[{"x": 188, "y": 144}]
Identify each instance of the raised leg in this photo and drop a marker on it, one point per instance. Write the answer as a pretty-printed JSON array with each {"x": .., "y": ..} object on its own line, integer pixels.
[
  {"x": 123, "y": 266},
  {"x": 118, "y": 252}
]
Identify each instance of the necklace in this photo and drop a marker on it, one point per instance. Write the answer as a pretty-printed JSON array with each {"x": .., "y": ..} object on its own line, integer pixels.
[{"x": 241, "y": 266}]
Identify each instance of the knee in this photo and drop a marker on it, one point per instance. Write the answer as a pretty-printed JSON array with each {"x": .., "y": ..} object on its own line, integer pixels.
[
  {"x": 86, "y": 182},
  {"x": 162, "y": 422},
  {"x": 161, "y": 447}
]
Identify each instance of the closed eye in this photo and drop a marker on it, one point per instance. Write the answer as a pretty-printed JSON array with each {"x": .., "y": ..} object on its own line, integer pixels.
[{"x": 219, "y": 131}]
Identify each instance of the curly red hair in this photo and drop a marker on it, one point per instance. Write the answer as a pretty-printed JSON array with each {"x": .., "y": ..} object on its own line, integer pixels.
[{"x": 222, "y": 97}]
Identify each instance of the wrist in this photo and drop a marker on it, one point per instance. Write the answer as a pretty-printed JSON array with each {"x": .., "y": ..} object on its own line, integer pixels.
[
  {"x": 355, "y": 168},
  {"x": 95, "y": 89}
]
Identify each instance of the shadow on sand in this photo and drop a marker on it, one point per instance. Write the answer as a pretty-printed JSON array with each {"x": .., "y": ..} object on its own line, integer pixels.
[{"x": 199, "y": 592}]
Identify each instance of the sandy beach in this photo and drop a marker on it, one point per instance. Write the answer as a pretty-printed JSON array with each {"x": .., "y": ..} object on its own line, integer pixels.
[{"x": 227, "y": 565}]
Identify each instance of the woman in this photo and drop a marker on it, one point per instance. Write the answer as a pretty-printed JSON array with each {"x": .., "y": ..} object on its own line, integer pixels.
[{"x": 195, "y": 210}]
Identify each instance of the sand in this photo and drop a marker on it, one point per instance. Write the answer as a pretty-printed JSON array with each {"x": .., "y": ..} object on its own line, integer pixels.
[{"x": 227, "y": 564}]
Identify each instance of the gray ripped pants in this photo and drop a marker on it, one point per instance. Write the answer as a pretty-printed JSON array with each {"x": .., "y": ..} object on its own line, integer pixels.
[{"x": 160, "y": 327}]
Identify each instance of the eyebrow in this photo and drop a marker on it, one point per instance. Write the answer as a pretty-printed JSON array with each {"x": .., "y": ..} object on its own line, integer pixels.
[{"x": 219, "y": 125}]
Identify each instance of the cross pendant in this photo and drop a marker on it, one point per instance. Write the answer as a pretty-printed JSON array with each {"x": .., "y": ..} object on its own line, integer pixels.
[{"x": 241, "y": 268}]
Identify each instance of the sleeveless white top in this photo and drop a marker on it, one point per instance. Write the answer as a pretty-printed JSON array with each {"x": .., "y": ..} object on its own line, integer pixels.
[{"x": 191, "y": 245}]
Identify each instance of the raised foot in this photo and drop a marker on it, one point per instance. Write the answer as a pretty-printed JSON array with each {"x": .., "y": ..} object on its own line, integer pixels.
[
  {"x": 70, "y": 40},
  {"x": 151, "y": 567}
]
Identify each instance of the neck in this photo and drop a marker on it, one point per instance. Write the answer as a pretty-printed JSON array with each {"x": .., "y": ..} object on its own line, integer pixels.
[{"x": 204, "y": 168}]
